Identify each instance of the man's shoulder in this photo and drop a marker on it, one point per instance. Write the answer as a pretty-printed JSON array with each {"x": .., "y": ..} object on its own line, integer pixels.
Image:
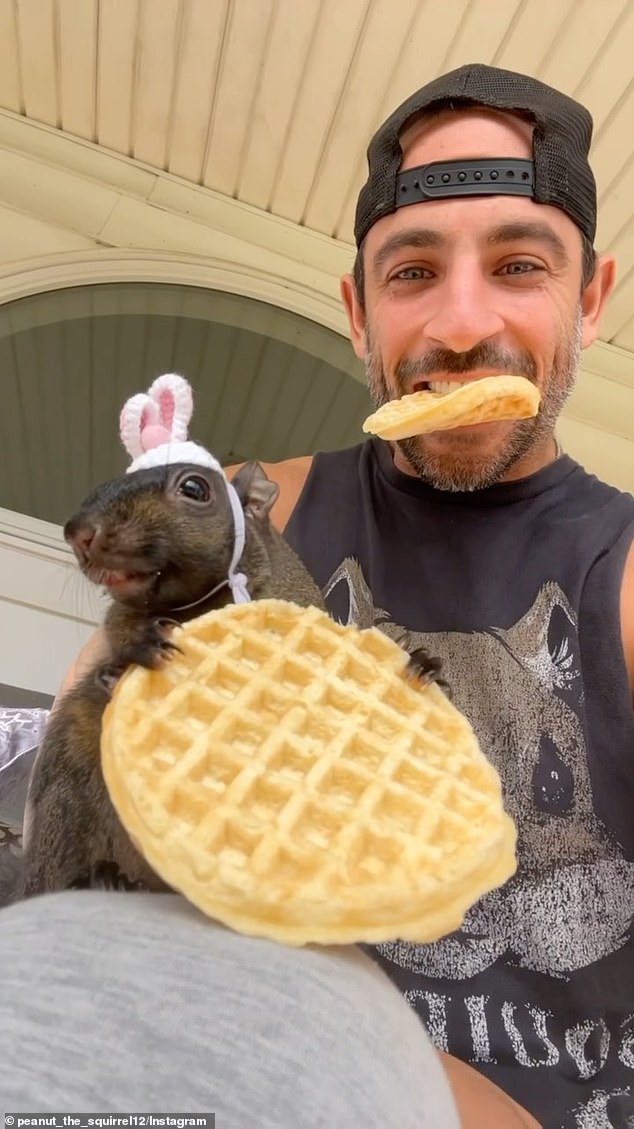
[
  {"x": 627, "y": 612},
  {"x": 290, "y": 475}
]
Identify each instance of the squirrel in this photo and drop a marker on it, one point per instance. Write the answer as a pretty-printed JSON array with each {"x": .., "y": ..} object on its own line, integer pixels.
[
  {"x": 163, "y": 541},
  {"x": 160, "y": 540}
]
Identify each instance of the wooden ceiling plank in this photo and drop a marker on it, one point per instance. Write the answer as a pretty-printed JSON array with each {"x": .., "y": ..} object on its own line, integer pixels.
[
  {"x": 537, "y": 24},
  {"x": 216, "y": 361},
  {"x": 267, "y": 401},
  {"x": 615, "y": 206},
  {"x": 469, "y": 32},
  {"x": 480, "y": 33},
  {"x": 159, "y": 38},
  {"x": 129, "y": 376},
  {"x": 610, "y": 73},
  {"x": 237, "y": 383},
  {"x": 197, "y": 65},
  {"x": 78, "y": 67},
  {"x": 54, "y": 400},
  {"x": 586, "y": 29},
  {"x": 350, "y": 408},
  {"x": 281, "y": 84},
  {"x": 38, "y": 60},
  {"x": 610, "y": 152},
  {"x": 287, "y": 429},
  {"x": 336, "y": 35},
  {"x": 238, "y": 77},
  {"x": 10, "y": 82},
  {"x": 16, "y": 492},
  {"x": 320, "y": 406},
  {"x": 31, "y": 422},
  {"x": 116, "y": 63},
  {"x": 382, "y": 44},
  {"x": 104, "y": 413},
  {"x": 159, "y": 349},
  {"x": 75, "y": 382},
  {"x": 189, "y": 350}
]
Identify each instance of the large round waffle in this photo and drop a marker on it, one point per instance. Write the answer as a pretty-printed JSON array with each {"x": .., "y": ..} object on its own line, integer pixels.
[{"x": 291, "y": 780}]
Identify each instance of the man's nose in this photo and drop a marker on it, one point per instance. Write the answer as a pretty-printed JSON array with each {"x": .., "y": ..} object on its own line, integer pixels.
[{"x": 465, "y": 312}]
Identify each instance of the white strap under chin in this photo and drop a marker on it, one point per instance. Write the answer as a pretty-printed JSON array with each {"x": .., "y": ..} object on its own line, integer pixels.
[{"x": 237, "y": 580}]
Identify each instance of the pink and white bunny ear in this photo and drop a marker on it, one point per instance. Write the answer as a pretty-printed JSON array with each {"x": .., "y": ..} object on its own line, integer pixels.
[
  {"x": 132, "y": 420},
  {"x": 153, "y": 426},
  {"x": 160, "y": 415},
  {"x": 175, "y": 403}
]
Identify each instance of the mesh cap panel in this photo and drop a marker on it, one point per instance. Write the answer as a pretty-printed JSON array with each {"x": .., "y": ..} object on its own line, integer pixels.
[{"x": 561, "y": 142}]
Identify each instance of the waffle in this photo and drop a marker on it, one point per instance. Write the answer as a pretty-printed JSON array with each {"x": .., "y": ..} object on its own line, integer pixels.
[
  {"x": 289, "y": 778},
  {"x": 478, "y": 401}
]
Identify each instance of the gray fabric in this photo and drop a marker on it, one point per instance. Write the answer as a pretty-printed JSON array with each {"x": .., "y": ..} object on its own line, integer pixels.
[{"x": 115, "y": 1002}]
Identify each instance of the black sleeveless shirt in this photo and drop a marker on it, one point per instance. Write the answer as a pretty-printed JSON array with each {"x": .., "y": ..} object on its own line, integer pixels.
[{"x": 516, "y": 588}]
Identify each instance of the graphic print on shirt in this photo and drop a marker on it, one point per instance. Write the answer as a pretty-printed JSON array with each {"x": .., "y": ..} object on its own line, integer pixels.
[{"x": 571, "y": 900}]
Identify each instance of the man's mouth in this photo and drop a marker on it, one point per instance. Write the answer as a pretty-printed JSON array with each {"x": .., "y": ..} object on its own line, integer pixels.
[{"x": 444, "y": 387}]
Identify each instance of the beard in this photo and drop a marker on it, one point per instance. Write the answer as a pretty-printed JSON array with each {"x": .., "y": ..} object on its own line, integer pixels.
[{"x": 463, "y": 465}]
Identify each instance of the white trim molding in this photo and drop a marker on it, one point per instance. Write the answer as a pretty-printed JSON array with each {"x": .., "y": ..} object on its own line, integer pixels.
[
  {"x": 139, "y": 223},
  {"x": 113, "y": 219}
]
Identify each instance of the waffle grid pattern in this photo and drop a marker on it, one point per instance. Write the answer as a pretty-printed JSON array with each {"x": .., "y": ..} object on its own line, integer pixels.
[{"x": 283, "y": 763}]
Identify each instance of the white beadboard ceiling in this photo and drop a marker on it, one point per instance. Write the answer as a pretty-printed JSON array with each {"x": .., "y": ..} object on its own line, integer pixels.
[{"x": 271, "y": 103}]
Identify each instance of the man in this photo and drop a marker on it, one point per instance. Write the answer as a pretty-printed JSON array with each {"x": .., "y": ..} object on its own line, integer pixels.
[{"x": 499, "y": 553}]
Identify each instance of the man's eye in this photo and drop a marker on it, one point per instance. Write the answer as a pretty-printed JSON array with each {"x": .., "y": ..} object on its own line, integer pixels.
[
  {"x": 520, "y": 268},
  {"x": 410, "y": 274}
]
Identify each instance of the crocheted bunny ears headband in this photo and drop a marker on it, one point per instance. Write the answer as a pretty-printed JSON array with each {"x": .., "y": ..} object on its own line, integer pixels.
[{"x": 153, "y": 426}]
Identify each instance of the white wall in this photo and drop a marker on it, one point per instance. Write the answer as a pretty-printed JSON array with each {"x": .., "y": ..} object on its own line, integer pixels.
[{"x": 47, "y": 609}]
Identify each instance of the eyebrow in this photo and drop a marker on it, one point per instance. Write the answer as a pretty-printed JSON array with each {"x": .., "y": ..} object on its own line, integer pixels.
[
  {"x": 423, "y": 238},
  {"x": 519, "y": 230},
  {"x": 427, "y": 238}
]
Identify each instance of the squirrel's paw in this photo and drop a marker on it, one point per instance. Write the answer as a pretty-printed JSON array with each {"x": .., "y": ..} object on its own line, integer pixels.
[
  {"x": 426, "y": 668},
  {"x": 147, "y": 646}
]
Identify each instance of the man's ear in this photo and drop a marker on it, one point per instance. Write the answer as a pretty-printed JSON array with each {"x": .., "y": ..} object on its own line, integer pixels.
[
  {"x": 255, "y": 490},
  {"x": 356, "y": 314},
  {"x": 595, "y": 296}
]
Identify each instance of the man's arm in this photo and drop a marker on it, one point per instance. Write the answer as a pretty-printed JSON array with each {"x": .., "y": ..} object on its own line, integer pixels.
[
  {"x": 93, "y": 650},
  {"x": 627, "y": 614},
  {"x": 479, "y": 1102},
  {"x": 290, "y": 475}
]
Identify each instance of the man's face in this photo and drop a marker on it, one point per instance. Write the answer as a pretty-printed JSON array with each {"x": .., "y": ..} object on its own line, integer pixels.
[{"x": 464, "y": 288}]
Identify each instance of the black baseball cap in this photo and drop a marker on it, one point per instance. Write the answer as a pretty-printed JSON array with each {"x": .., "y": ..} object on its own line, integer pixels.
[{"x": 558, "y": 173}]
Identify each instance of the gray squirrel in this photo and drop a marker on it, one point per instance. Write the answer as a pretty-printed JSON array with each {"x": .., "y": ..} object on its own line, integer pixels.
[{"x": 163, "y": 541}]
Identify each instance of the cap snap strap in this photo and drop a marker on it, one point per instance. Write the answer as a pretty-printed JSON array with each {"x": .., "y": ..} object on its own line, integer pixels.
[{"x": 485, "y": 177}]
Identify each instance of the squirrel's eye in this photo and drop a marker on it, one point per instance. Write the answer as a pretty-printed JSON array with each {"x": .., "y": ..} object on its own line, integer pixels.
[{"x": 195, "y": 488}]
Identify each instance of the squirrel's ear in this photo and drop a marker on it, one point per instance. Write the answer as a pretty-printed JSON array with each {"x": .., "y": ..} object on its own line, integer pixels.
[{"x": 256, "y": 492}]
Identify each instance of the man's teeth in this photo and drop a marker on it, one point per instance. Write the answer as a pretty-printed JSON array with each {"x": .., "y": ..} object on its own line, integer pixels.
[{"x": 444, "y": 387}]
